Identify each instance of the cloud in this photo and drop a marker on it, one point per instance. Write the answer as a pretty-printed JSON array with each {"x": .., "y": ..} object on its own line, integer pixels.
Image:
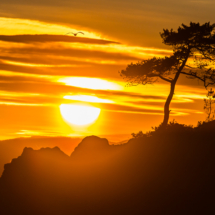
[
  {"x": 136, "y": 22},
  {"x": 129, "y": 94},
  {"x": 17, "y": 79},
  {"x": 72, "y": 52},
  {"x": 202, "y": 2},
  {"x": 45, "y": 38},
  {"x": 53, "y": 101},
  {"x": 127, "y": 108},
  {"x": 102, "y": 71},
  {"x": 27, "y": 84},
  {"x": 24, "y": 69},
  {"x": 36, "y": 90},
  {"x": 60, "y": 59},
  {"x": 32, "y": 100},
  {"x": 27, "y": 91}
]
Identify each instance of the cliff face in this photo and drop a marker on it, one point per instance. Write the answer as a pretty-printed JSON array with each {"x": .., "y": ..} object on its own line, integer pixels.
[{"x": 150, "y": 175}]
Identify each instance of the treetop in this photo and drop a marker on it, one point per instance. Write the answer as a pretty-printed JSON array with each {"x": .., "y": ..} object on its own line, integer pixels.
[{"x": 192, "y": 36}]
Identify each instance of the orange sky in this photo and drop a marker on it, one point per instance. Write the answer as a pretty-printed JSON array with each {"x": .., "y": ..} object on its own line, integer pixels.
[{"x": 41, "y": 67}]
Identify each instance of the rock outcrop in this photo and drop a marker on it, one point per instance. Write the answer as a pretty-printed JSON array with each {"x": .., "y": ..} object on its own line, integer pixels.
[{"x": 151, "y": 175}]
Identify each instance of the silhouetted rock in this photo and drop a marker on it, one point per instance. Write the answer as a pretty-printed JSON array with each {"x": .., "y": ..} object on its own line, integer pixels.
[
  {"x": 163, "y": 173},
  {"x": 91, "y": 148},
  {"x": 10, "y": 149},
  {"x": 92, "y": 143},
  {"x": 34, "y": 165}
]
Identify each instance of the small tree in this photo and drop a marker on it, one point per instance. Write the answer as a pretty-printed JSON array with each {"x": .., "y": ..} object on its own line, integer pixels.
[
  {"x": 195, "y": 42},
  {"x": 208, "y": 106}
]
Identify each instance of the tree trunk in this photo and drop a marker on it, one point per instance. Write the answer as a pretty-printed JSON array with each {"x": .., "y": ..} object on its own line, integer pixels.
[
  {"x": 172, "y": 89},
  {"x": 166, "y": 106}
]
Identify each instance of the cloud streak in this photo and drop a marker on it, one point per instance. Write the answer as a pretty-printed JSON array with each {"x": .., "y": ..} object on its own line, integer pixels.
[
  {"x": 37, "y": 91},
  {"x": 47, "y": 38}
]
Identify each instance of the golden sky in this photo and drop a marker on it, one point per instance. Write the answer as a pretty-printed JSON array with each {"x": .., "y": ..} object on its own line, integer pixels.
[{"x": 43, "y": 67}]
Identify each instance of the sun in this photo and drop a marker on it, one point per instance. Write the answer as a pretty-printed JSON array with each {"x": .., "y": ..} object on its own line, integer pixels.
[{"x": 79, "y": 115}]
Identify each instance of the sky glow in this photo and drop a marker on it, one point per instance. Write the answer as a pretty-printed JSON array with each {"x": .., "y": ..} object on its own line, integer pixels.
[{"x": 42, "y": 67}]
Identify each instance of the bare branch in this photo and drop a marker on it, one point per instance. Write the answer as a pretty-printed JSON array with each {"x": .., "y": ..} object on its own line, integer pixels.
[
  {"x": 193, "y": 74},
  {"x": 190, "y": 67},
  {"x": 165, "y": 79}
]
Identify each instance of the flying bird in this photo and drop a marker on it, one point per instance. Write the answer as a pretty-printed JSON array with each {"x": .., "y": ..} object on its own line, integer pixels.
[{"x": 75, "y": 34}]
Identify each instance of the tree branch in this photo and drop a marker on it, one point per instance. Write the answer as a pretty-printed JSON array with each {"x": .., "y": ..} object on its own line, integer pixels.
[
  {"x": 190, "y": 67},
  {"x": 194, "y": 75},
  {"x": 165, "y": 79}
]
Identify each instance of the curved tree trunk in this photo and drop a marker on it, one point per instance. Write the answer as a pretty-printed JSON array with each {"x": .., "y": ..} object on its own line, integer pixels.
[
  {"x": 169, "y": 98},
  {"x": 166, "y": 106},
  {"x": 172, "y": 89}
]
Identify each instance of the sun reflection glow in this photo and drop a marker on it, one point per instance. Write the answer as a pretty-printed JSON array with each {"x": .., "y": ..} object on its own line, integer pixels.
[
  {"x": 85, "y": 98},
  {"x": 90, "y": 83}
]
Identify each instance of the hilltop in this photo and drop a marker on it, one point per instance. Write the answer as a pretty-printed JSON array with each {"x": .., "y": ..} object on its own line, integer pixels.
[{"x": 167, "y": 172}]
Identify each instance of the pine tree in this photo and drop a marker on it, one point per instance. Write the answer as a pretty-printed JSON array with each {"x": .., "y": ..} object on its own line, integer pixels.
[{"x": 195, "y": 43}]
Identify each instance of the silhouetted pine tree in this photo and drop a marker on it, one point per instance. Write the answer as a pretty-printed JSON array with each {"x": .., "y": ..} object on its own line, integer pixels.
[{"x": 195, "y": 42}]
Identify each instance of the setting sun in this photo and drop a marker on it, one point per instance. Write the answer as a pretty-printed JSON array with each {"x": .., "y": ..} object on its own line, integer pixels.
[{"x": 79, "y": 115}]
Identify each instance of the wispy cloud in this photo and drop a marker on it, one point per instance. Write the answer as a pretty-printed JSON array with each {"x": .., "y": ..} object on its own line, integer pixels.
[
  {"x": 47, "y": 38},
  {"x": 202, "y": 2},
  {"x": 36, "y": 91}
]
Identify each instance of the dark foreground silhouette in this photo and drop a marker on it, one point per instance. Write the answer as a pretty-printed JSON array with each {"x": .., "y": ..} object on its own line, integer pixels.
[{"x": 169, "y": 172}]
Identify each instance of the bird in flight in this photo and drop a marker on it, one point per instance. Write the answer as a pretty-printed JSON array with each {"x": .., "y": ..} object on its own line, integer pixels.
[{"x": 75, "y": 34}]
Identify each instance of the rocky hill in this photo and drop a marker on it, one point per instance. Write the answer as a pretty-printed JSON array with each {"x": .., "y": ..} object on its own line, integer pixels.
[
  {"x": 167, "y": 172},
  {"x": 12, "y": 148}
]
